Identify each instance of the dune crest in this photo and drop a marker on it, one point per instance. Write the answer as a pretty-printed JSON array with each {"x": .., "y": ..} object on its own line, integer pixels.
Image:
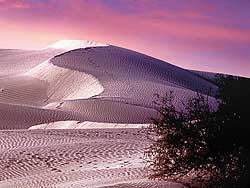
[{"x": 75, "y": 44}]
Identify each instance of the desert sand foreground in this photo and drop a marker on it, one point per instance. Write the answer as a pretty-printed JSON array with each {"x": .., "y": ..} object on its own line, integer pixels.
[{"x": 75, "y": 158}]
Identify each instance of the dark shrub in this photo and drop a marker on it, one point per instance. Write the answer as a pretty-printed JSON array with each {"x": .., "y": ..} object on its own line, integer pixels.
[{"x": 202, "y": 147}]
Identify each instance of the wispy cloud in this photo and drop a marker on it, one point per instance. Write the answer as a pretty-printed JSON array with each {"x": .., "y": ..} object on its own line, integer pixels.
[{"x": 18, "y": 4}]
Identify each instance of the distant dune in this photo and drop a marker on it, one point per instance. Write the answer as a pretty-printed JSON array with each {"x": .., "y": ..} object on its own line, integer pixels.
[{"x": 76, "y": 84}]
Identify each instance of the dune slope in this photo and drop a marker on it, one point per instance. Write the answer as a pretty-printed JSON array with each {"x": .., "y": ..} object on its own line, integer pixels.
[{"x": 103, "y": 84}]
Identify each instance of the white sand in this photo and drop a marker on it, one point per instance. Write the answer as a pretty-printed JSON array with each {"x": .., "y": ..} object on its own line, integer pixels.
[
  {"x": 75, "y": 158},
  {"x": 98, "y": 83},
  {"x": 14, "y": 62},
  {"x": 75, "y": 44},
  {"x": 78, "y": 86}
]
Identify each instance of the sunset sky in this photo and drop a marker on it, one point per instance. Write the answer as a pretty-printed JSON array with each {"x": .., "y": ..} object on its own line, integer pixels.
[{"x": 208, "y": 35}]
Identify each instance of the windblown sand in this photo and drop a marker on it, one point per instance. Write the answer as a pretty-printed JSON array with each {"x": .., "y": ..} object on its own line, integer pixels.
[
  {"x": 72, "y": 84},
  {"x": 75, "y": 158},
  {"x": 98, "y": 95}
]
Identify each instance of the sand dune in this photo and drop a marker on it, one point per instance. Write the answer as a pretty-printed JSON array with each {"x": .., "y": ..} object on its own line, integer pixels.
[
  {"x": 108, "y": 91},
  {"x": 210, "y": 76},
  {"x": 114, "y": 63},
  {"x": 23, "y": 117},
  {"x": 65, "y": 84},
  {"x": 23, "y": 90},
  {"x": 108, "y": 111},
  {"x": 14, "y": 62},
  {"x": 103, "y": 84}
]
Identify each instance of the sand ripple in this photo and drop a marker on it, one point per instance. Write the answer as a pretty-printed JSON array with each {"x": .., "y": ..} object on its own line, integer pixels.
[{"x": 74, "y": 158}]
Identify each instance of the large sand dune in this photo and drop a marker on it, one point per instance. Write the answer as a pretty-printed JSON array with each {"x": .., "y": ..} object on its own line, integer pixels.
[
  {"x": 102, "y": 84},
  {"x": 75, "y": 85}
]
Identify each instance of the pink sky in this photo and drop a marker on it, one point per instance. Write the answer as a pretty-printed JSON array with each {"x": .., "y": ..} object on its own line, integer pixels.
[{"x": 208, "y": 35}]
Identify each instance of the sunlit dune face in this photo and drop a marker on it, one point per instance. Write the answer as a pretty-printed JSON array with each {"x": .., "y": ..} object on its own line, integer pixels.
[{"x": 205, "y": 35}]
